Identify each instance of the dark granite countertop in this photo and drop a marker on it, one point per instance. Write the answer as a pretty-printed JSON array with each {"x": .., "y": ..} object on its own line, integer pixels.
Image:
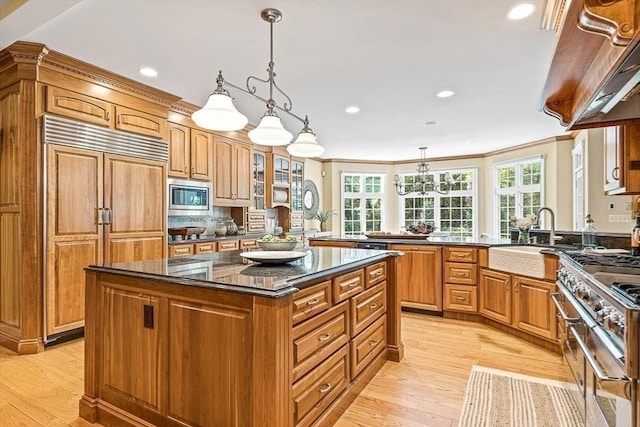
[
  {"x": 229, "y": 271},
  {"x": 427, "y": 240}
]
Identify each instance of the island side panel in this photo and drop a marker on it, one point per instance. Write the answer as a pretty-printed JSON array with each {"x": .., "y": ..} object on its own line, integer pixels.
[
  {"x": 88, "y": 403},
  {"x": 394, "y": 337}
]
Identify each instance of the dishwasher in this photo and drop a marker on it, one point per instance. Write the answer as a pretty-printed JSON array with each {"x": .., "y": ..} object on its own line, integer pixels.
[{"x": 371, "y": 245}]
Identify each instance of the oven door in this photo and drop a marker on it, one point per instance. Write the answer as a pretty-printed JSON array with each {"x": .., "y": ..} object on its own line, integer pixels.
[
  {"x": 609, "y": 392},
  {"x": 570, "y": 325}
]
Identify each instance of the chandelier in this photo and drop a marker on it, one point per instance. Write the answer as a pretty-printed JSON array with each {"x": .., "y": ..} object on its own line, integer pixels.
[
  {"x": 421, "y": 185},
  {"x": 220, "y": 114}
]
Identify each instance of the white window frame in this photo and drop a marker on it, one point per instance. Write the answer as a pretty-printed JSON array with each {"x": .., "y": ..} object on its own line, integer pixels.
[
  {"x": 362, "y": 195},
  {"x": 436, "y": 212},
  {"x": 518, "y": 189},
  {"x": 577, "y": 155}
]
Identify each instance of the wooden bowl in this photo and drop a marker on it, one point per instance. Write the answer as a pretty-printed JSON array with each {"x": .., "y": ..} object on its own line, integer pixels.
[{"x": 185, "y": 232}]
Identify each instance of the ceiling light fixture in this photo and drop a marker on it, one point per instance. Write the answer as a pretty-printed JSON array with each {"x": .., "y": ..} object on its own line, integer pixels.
[
  {"x": 352, "y": 110},
  {"x": 445, "y": 93},
  {"x": 421, "y": 184},
  {"x": 148, "y": 72},
  {"x": 220, "y": 114},
  {"x": 520, "y": 12}
]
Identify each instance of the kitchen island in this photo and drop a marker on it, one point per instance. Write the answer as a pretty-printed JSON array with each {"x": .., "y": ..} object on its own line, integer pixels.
[{"x": 215, "y": 340}]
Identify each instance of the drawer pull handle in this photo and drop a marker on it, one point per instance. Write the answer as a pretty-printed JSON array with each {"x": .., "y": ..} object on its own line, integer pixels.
[
  {"x": 376, "y": 273},
  {"x": 458, "y": 274},
  {"x": 372, "y": 343},
  {"x": 325, "y": 388},
  {"x": 461, "y": 255},
  {"x": 353, "y": 284},
  {"x": 460, "y": 298},
  {"x": 324, "y": 337},
  {"x": 313, "y": 301},
  {"x": 373, "y": 306}
]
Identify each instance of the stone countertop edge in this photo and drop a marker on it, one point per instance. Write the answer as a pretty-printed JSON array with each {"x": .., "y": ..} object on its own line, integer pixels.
[{"x": 288, "y": 286}]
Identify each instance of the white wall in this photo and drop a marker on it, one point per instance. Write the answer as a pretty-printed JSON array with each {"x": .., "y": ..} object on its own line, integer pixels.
[{"x": 313, "y": 172}]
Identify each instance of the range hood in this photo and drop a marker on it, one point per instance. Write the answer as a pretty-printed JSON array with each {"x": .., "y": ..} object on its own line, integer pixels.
[{"x": 594, "y": 77}]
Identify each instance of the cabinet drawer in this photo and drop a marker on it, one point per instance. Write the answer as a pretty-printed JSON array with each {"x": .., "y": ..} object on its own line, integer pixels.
[
  {"x": 347, "y": 285},
  {"x": 367, "y": 307},
  {"x": 461, "y": 273},
  {"x": 256, "y": 226},
  {"x": 228, "y": 245},
  {"x": 317, "y": 338},
  {"x": 366, "y": 346},
  {"x": 180, "y": 250},
  {"x": 256, "y": 217},
  {"x": 461, "y": 298},
  {"x": 375, "y": 273},
  {"x": 248, "y": 243},
  {"x": 203, "y": 248},
  {"x": 311, "y": 301},
  {"x": 297, "y": 217},
  {"x": 460, "y": 254},
  {"x": 313, "y": 393}
]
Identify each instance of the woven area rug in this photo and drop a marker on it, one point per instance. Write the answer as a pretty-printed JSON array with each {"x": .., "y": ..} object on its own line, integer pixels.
[{"x": 498, "y": 398}]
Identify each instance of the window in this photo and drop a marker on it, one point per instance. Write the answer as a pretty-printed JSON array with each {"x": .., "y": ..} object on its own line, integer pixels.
[
  {"x": 518, "y": 192},
  {"x": 452, "y": 213},
  {"x": 362, "y": 201}
]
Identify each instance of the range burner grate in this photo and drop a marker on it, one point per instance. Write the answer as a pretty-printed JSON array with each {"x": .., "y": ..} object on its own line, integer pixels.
[{"x": 629, "y": 291}]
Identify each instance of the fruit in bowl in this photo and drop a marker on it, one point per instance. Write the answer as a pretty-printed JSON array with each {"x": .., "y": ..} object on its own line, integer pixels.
[
  {"x": 421, "y": 227},
  {"x": 273, "y": 243}
]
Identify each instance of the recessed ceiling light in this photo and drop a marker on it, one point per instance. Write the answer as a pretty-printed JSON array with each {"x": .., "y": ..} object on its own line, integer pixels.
[
  {"x": 431, "y": 123},
  {"x": 148, "y": 72},
  {"x": 352, "y": 110},
  {"x": 520, "y": 12},
  {"x": 445, "y": 93}
]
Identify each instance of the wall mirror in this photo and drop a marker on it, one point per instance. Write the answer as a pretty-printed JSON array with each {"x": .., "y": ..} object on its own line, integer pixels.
[{"x": 310, "y": 199}]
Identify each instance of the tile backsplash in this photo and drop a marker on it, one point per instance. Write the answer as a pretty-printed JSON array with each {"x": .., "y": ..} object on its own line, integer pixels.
[{"x": 199, "y": 221}]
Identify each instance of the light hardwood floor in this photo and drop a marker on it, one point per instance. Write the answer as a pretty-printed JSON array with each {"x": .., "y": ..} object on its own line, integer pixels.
[{"x": 425, "y": 389}]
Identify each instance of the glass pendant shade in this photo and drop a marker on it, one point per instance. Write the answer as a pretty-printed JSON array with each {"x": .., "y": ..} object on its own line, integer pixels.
[
  {"x": 270, "y": 132},
  {"x": 305, "y": 146},
  {"x": 219, "y": 113}
]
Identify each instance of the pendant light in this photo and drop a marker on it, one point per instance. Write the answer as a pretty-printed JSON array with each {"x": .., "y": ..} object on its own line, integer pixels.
[
  {"x": 220, "y": 114},
  {"x": 305, "y": 144}
]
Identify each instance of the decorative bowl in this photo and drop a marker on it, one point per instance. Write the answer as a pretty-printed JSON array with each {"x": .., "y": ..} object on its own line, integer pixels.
[
  {"x": 186, "y": 232},
  {"x": 279, "y": 245}
]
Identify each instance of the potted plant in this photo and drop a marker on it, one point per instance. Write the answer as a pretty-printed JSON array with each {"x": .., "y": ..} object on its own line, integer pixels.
[{"x": 323, "y": 217}]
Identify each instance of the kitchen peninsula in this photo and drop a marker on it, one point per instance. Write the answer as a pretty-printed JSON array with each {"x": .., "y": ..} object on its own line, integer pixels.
[{"x": 214, "y": 340}]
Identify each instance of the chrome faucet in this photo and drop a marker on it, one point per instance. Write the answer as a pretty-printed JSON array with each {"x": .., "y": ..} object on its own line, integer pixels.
[{"x": 552, "y": 232}]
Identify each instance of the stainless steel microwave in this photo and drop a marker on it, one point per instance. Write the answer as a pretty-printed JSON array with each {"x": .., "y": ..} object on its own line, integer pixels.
[{"x": 187, "y": 197}]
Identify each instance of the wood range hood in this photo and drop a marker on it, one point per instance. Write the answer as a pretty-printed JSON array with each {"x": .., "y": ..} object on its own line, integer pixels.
[{"x": 594, "y": 77}]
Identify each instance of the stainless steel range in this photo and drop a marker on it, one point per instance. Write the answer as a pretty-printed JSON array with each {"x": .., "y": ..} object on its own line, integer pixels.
[{"x": 599, "y": 330}]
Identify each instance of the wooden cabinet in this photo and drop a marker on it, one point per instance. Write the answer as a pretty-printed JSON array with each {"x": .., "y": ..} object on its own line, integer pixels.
[
  {"x": 259, "y": 180},
  {"x": 96, "y": 111},
  {"x": 622, "y": 159},
  {"x": 94, "y": 215},
  {"x": 495, "y": 295},
  {"x": 191, "y": 248},
  {"x": 420, "y": 276},
  {"x": 522, "y": 302},
  {"x": 533, "y": 310},
  {"x": 233, "y": 167},
  {"x": 296, "y": 220},
  {"x": 460, "y": 278},
  {"x": 190, "y": 153},
  {"x": 332, "y": 243},
  {"x": 228, "y": 245}
]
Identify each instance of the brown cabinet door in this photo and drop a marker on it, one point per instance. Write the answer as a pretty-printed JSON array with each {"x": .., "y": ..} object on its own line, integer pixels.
[
  {"x": 80, "y": 107},
  {"x": 243, "y": 166},
  {"x": 533, "y": 310},
  {"x": 74, "y": 233},
  {"x": 131, "y": 345},
  {"x": 134, "y": 193},
  {"x": 495, "y": 295},
  {"x": 223, "y": 150},
  {"x": 201, "y": 155},
  {"x": 136, "y": 121},
  {"x": 420, "y": 276},
  {"x": 179, "y": 151}
]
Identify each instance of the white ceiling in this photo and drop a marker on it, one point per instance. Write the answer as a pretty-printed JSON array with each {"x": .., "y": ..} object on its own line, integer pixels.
[{"x": 389, "y": 57}]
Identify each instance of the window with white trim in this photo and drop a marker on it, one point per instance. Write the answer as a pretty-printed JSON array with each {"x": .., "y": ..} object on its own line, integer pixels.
[
  {"x": 518, "y": 192},
  {"x": 362, "y": 202},
  {"x": 454, "y": 212}
]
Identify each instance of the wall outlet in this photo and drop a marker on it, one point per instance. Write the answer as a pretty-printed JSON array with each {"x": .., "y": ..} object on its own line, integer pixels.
[
  {"x": 619, "y": 218},
  {"x": 627, "y": 206}
]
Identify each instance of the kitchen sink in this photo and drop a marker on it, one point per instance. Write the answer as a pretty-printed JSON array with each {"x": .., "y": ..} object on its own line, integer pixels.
[{"x": 525, "y": 260}]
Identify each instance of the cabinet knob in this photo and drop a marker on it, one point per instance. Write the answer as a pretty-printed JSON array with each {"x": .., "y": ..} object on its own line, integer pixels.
[
  {"x": 186, "y": 169},
  {"x": 108, "y": 116}
]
